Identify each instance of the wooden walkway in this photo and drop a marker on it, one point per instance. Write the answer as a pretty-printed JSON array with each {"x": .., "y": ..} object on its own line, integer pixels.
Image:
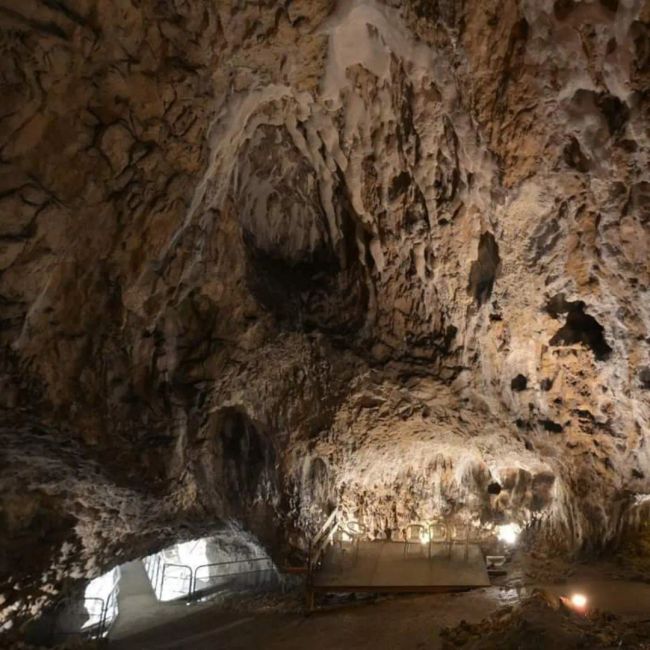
[{"x": 383, "y": 567}]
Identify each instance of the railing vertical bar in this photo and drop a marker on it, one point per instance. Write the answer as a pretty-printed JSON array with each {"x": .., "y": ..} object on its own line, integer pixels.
[
  {"x": 162, "y": 580},
  {"x": 159, "y": 565},
  {"x": 102, "y": 619}
]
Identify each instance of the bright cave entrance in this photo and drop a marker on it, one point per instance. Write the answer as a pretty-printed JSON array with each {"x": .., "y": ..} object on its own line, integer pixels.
[{"x": 134, "y": 594}]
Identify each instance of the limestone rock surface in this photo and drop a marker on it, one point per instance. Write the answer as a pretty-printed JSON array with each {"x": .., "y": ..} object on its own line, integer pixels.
[{"x": 258, "y": 259}]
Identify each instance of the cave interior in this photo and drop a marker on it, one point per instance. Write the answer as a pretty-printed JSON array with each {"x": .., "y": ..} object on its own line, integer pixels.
[{"x": 284, "y": 275}]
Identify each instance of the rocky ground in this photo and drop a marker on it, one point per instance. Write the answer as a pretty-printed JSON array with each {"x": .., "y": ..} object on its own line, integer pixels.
[{"x": 543, "y": 623}]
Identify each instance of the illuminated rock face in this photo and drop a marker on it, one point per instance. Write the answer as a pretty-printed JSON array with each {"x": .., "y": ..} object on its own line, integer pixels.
[{"x": 256, "y": 261}]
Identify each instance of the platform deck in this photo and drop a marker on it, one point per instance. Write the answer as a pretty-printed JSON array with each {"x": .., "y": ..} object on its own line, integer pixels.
[{"x": 383, "y": 567}]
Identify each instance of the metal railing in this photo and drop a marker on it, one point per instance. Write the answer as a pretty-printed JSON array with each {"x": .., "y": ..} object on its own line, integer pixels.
[
  {"x": 255, "y": 577},
  {"x": 111, "y": 608},
  {"x": 153, "y": 567},
  {"x": 322, "y": 540},
  {"x": 172, "y": 581},
  {"x": 179, "y": 581},
  {"x": 317, "y": 547},
  {"x": 89, "y": 617}
]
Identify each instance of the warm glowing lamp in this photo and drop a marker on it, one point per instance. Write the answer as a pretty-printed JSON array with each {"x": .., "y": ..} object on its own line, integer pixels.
[
  {"x": 508, "y": 533},
  {"x": 579, "y": 601}
]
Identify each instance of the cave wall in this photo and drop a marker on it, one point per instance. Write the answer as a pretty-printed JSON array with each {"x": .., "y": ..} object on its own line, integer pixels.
[{"x": 259, "y": 258}]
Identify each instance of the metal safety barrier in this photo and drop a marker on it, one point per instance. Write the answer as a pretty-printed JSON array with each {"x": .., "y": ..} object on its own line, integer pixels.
[
  {"x": 323, "y": 539},
  {"x": 317, "y": 547},
  {"x": 216, "y": 578},
  {"x": 178, "y": 579},
  {"x": 172, "y": 581},
  {"x": 87, "y": 617}
]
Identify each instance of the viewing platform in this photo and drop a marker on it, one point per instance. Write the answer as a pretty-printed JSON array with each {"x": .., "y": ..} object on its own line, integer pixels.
[{"x": 383, "y": 566}]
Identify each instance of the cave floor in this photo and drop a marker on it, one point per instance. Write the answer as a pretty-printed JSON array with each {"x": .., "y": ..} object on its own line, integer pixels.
[
  {"x": 383, "y": 623},
  {"x": 407, "y": 621},
  {"x": 139, "y": 609}
]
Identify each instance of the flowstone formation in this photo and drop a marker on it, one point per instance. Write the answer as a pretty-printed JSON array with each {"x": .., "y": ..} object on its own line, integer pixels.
[{"x": 258, "y": 259}]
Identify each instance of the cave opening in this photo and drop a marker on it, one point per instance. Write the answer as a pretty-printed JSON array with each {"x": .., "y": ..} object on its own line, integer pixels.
[{"x": 198, "y": 571}]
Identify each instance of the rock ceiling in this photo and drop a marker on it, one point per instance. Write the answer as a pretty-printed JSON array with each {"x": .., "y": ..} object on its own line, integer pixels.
[{"x": 258, "y": 258}]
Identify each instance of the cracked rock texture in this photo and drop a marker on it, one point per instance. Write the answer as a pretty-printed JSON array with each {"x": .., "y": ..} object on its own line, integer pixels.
[{"x": 258, "y": 259}]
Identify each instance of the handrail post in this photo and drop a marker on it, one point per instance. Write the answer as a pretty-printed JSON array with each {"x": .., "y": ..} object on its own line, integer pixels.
[
  {"x": 162, "y": 579},
  {"x": 155, "y": 569},
  {"x": 102, "y": 619},
  {"x": 159, "y": 565}
]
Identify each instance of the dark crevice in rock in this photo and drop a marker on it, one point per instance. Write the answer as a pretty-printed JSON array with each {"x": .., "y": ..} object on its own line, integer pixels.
[
  {"x": 615, "y": 111},
  {"x": 399, "y": 185},
  {"x": 447, "y": 13},
  {"x": 494, "y": 488},
  {"x": 611, "y": 5},
  {"x": 563, "y": 8},
  {"x": 580, "y": 327},
  {"x": 58, "y": 6},
  {"x": 48, "y": 28},
  {"x": 551, "y": 426},
  {"x": 519, "y": 383},
  {"x": 574, "y": 156},
  {"x": 546, "y": 384},
  {"x": 484, "y": 270},
  {"x": 644, "y": 377}
]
